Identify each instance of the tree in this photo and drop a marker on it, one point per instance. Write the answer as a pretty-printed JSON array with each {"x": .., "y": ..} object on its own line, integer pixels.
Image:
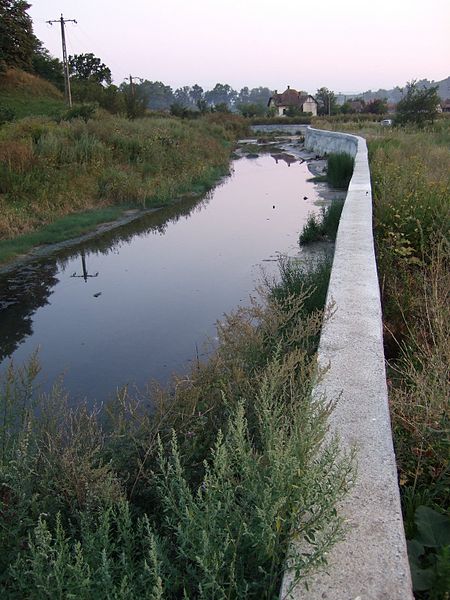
[
  {"x": 326, "y": 100},
  {"x": 221, "y": 94},
  {"x": 417, "y": 105},
  {"x": 136, "y": 99},
  {"x": 252, "y": 109},
  {"x": 260, "y": 95},
  {"x": 196, "y": 93},
  {"x": 160, "y": 96},
  {"x": 346, "y": 108},
  {"x": 244, "y": 96},
  {"x": 183, "y": 97},
  {"x": 89, "y": 67},
  {"x": 378, "y": 106},
  {"x": 17, "y": 41},
  {"x": 47, "y": 67},
  {"x": 202, "y": 105}
]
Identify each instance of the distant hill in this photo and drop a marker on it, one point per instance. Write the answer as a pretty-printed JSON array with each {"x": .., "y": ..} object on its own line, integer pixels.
[
  {"x": 395, "y": 94},
  {"x": 26, "y": 95}
]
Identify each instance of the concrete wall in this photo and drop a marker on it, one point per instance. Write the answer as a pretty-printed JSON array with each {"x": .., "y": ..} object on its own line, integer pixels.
[
  {"x": 288, "y": 129},
  {"x": 371, "y": 563}
]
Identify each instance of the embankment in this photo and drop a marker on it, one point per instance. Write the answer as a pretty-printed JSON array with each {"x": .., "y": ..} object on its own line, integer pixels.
[{"x": 371, "y": 563}]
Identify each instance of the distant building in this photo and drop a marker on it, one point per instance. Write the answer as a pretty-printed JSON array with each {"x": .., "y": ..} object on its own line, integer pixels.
[
  {"x": 290, "y": 98},
  {"x": 445, "y": 105}
]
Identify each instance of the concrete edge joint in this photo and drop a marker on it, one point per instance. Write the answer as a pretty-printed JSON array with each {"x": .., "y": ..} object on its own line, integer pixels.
[{"x": 371, "y": 563}]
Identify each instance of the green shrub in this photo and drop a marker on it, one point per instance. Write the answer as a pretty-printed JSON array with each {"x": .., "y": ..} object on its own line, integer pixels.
[
  {"x": 267, "y": 480},
  {"x": 82, "y": 111},
  {"x": 340, "y": 169},
  {"x": 323, "y": 227},
  {"x": 6, "y": 115},
  {"x": 306, "y": 281},
  {"x": 113, "y": 503}
]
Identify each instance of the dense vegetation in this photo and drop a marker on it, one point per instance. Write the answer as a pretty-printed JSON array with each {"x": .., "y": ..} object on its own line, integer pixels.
[
  {"x": 200, "y": 496},
  {"x": 411, "y": 186},
  {"x": 197, "y": 491},
  {"x": 322, "y": 227},
  {"x": 51, "y": 168},
  {"x": 412, "y": 223}
]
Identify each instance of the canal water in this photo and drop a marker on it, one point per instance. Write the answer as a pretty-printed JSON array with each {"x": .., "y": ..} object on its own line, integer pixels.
[{"x": 139, "y": 302}]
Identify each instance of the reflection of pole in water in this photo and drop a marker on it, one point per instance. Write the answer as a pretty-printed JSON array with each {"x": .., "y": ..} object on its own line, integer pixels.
[{"x": 84, "y": 268}]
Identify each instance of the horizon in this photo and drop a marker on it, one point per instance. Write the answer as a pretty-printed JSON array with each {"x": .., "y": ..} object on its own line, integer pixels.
[{"x": 207, "y": 42}]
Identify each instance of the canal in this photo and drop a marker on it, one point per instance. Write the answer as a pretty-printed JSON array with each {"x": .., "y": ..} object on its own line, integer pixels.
[{"x": 139, "y": 303}]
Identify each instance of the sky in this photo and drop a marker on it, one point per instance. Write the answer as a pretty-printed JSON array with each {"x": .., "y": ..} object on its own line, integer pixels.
[{"x": 346, "y": 45}]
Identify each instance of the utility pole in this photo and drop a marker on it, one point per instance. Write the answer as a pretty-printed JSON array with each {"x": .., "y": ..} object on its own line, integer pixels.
[
  {"x": 67, "y": 91},
  {"x": 84, "y": 268},
  {"x": 132, "y": 104}
]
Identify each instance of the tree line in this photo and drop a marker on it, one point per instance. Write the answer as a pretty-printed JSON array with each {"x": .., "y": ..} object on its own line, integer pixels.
[{"x": 91, "y": 82}]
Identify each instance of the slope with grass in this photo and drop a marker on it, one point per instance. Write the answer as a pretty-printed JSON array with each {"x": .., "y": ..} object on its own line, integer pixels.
[
  {"x": 24, "y": 95},
  {"x": 50, "y": 169}
]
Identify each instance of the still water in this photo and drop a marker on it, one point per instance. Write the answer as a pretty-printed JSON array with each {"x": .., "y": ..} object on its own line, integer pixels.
[{"x": 138, "y": 303}]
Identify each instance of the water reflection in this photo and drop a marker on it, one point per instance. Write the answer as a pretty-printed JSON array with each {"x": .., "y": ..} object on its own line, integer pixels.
[
  {"x": 85, "y": 275},
  {"x": 28, "y": 288},
  {"x": 153, "y": 289}
]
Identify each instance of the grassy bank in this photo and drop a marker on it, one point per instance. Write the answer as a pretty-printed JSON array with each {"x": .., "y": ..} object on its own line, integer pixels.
[
  {"x": 411, "y": 183},
  {"x": 23, "y": 94},
  {"x": 199, "y": 497},
  {"x": 49, "y": 170}
]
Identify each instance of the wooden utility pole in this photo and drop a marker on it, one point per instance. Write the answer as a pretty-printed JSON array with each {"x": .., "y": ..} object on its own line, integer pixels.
[{"x": 67, "y": 91}]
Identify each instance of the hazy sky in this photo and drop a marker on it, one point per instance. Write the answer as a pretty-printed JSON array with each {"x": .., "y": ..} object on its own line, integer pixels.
[{"x": 346, "y": 45}]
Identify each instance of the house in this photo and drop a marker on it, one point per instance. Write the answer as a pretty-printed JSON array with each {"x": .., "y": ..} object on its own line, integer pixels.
[
  {"x": 291, "y": 99},
  {"x": 445, "y": 105}
]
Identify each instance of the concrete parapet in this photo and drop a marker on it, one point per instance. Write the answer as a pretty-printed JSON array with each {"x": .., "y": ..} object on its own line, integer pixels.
[{"x": 371, "y": 563}]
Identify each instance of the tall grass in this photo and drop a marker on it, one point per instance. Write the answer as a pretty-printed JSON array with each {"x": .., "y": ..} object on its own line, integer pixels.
[
  {"x": 340, "y": 169},
  {"x": 324, "y": 226},
  {"x": 49, "y": 170},
  {"x": 199, "y": 497},
  {"x": 412, "y": 222}
]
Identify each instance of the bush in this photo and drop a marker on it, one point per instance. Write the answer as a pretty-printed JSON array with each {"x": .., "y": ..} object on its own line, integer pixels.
[
  {"x": 411, "y": 189},
  {"x": 323, "y": 227},
  {"x": 309, "y": 282},
  {"x": 418, "y": 105},
  {"x": 340, "y": 169},
  {"x": 6, "y": 115},
  {"x": 83, "y": 111},
  {"x": 211, "y": 510}
]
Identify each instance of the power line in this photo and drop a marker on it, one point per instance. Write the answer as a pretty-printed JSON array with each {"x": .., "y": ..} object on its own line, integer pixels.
[{"x": 67, "y": 91}]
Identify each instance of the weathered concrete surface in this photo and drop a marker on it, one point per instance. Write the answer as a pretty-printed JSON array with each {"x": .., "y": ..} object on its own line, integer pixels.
[
  {"x": 288, "y": 129},
  {"x": 371, "y": 563}
]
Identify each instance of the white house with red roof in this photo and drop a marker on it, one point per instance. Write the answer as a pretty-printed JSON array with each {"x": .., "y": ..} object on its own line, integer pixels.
[{"x": 290, "y": 98}]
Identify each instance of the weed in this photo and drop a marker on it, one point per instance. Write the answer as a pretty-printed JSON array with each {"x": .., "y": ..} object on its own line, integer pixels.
[
  {"x": 49, "y": 170},
  {"x": 114, "y": 502},
  {"x": 340, "y": 169},
  {"x": 323, "y": 227},
  {"x": 411, "y": 190}
]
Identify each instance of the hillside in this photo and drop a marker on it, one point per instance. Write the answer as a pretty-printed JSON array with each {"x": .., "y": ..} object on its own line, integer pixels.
[
  {"x": 394, "y": 95},
  {"x": 25, "y": 94}
]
